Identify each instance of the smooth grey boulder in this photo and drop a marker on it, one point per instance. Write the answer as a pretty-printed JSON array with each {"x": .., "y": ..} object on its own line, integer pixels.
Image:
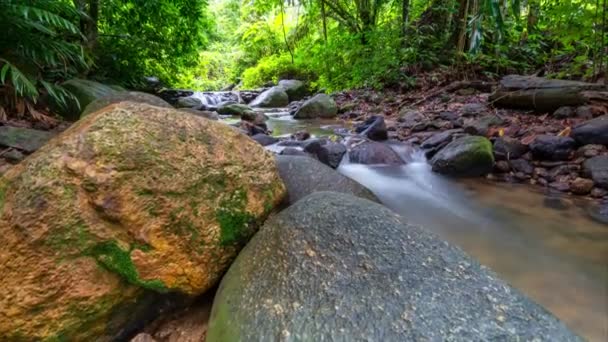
[
  {"x": 333, "y": 267},
  {"x": 188, "y": 102},
  {"x": 552, "y": 147},
  {"x": 295, "y": 89},
  {"x": 373, "y": 153},
  {"x": 319, "y": 106},
  {"x": 305, "y": 175},
  {"x": 272, "y": 98},
  {"x": 596, "y": 168},
  {"x": 594, "y": 131},
  {"x": 264, "y": 139},
  {"x": 231, "y": 108}
]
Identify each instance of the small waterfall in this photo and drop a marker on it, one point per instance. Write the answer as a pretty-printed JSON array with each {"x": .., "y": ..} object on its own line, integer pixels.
[{"x": 212, "y": 99}]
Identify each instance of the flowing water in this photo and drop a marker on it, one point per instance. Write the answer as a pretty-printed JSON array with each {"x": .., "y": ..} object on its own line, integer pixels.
[{"x": 548, "y": 247}]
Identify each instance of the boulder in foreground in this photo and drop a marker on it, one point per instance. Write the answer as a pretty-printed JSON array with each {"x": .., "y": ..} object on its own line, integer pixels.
[
  {"x": 132, "y": 199},
  {"x": 333, "y": 267}
]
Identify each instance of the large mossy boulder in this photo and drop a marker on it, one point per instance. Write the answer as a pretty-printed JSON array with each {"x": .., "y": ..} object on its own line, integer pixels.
[
  {"x": 295, "y": 89},
  {"x": 304, "y": 175},
  {"x": 274, "y": 97},
  {"x": 333, "y": 267},
  {"x": 319, "y": 106},
  {"x": 130, "y": 200},
  {"x": 467, "y": 156},
  {"x": 239, "y": 109},
  {"x": 85, "y": 91},
  {"x": 132, "y": 96}
]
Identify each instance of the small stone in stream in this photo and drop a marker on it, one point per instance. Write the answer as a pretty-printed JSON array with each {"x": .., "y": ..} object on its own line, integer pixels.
[
  {"x": 581, "y": 186},
  {"x": 251, "y": 129},
  {"x": 482, "y": 125},
  {"x": 439, "y": 139},
  {"x": 291, "y": 143},
  {"x": 585, "y": 112},
  {"x": 466, "y": 156},
  {"x": 564, "y": 112},
  {"x": 304, "y": 175},
  {"x": 264, "y": 139},
  {"x": 473, "y": 109},
  {"x": 292, "y": 151},
  {"x": 598, "y": 193},
  {"x": 508, "y": 148},
  {"x": 329, "y": 153},
  {"x": 599, "y": 213},
  {"x": 590, "y": 151},
  {"x": 25, "y": 139},
  {"x": 521, "y": 165},
  {"x": 541, "y": 172},
  {"x": 333, "y": 267},
  {"x": 594, "y": 131},
  {"x": 373, "y": 128},
  {"x": 189, "y": 102},
  {"x": 301, "y": 135},
  {"x": 563, "y": 170},
  {"x": 521, "y": 176},
  {"x": 449, "y": 116},
  {"x": 371, "y": 152},
  {"x": 596, "y": 168},
  {"x": 561, "y": 184},
  {"x": 13, "y": 156},
  {"x": 542, "y": 181},
  {"x": 552, "y": 147},
  {"x": 502, "y": 166}
]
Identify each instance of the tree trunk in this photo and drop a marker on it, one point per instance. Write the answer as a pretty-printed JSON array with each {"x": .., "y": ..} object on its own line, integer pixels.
[
  {"x": 546, "y": 95},
  {"x": 405, "y": 13},
  {"x": 324, "y": 16}
]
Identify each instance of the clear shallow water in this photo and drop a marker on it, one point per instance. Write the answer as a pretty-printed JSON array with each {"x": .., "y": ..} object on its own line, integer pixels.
[{"x": 557, "y": 255}]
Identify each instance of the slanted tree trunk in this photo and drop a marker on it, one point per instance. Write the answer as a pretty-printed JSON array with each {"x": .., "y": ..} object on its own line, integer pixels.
[
  {"x": 546, "y": 95},
  {"x": 88, "y": 21},
  {"x": 405, "y": 14}
]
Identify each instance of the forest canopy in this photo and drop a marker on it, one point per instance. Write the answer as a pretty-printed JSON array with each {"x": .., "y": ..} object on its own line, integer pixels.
[{"x": 333, "y": 44}]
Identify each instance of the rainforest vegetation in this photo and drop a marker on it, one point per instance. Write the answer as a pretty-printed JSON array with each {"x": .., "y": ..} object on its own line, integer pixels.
[{"x": 333, "y": 44}]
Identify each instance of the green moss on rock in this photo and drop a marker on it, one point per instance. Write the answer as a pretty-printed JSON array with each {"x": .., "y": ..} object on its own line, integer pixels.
[
  {"x": 233, "y": 219},
  {"x": 117, "y": 260}
]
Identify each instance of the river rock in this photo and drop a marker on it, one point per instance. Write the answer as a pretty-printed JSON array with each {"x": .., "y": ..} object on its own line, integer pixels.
[
  {"x": 131, "y": 200},
  {"x": 305, "y": 175},
  {"x": 465, "y": 156},
  {"x": 372, "y": 153},
  {"x": 482, "y": 125},
  {"x": 293, "y": 151},
  {"x": 85, "y": 92},
  {"x": 564, "y": 112},
  {"x": 295, "y": 89},
  {"x": 274, "y": 97},
  {"x": 581, "y": 186},
  {"x": 473, "y": 109},
  {"x": 521, "y": 165},
  {"x": 552, "y": 147},
  {"x": 189, "y": 102},
  {"x": 594, "y": 131},
  {"x": 25, "y": 139},
  {"x": 319, "y": 106},
  {"x": 133, "y": 96},
  {"x": 374, "y": 128},
  {"x": 328, "y": 152},
  {"x": 264, "y": 139},
  {"x": 333, "y": 267},
  {"x": 596, "y": 168},
  {"x": 506, "y": 148},
  {"x": 231, "y": 108},
  {"x": 409, "y": 118}
]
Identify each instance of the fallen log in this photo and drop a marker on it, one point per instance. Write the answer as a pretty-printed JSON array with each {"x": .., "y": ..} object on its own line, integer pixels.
[{"x": 546, "y": 95}]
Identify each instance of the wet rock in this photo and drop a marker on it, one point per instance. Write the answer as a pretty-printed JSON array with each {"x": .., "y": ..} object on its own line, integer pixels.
[
  {"x": 563, "y": 170},
  {"x": 581, "y": 186},
  {"x": 585, "y": 112},
  {"x": 251, "y": 129},
  {"x": 374, "y": 128},
  {"x": 590, "y": 151},
  {"x": 552, "y": 147},
  {"x": 409, "y": 119},
  {"x": 264, "y": 139},
  {"x": 301, "y": 136},
  {"x": 295, "y": 89},
  {"x": 334, "y": 267},
  {"x": 506, "y": 148},
  {"x": 598, "y": 192},
  {"x": 473, "y": 109},
  {"x": 449, "y": 116},
  {"x": 13, "y": 156},
  {"x": 171, "y": 95},
  {"x": 594, "y": 131},
  {"x": 132, "y": 96},
  {"x": 189, "y": 102},
  {"x": 502, "y": 166},
  {"x": 85, "y": 92},
  {"x": 274, "y": 97},
  {"x": 119, "y": 218},
  {"x": 202, "y": 113},
  {"x": 564, "y": 112},
  {"x": 371, "y": 153},
  {"x": 522, "y": 165},
  {"x": 561, "y": 184},
  {"x": 231, "y": 108},
  {"x": 439, "y": 140},
  {"x": 465, "y": 156},
  {"x": 482, "y": 125},
  {"x": 596, "y": 168},
  {"x": 25, "y": 139},
  {"x": 292, "y": 151},
  {"x": 599, "y": 213},
  {"x": 329, "y": 153},
  {"x": 305, "y": 175},
  {"x": 319, "y": 106}
]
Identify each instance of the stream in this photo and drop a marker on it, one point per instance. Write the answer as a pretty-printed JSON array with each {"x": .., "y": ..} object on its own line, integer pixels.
[{"x": 548, "y": 247}]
